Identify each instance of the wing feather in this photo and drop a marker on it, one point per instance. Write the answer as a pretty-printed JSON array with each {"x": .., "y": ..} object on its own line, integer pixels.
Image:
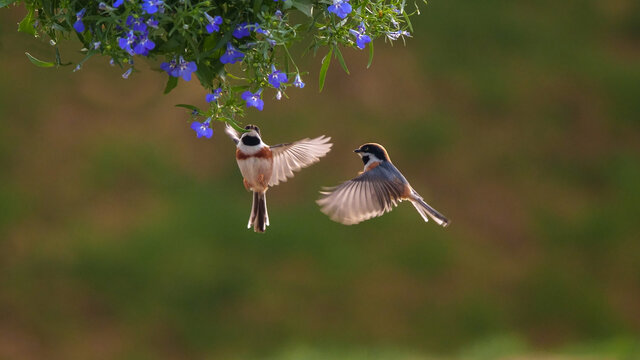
[
  {"x": 368, "y": 195},
  {"x": 233, "y": 134},
  {"x": 291, "y": 157}
]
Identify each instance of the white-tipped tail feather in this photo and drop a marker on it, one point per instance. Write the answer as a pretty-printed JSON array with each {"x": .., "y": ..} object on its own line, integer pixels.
[
  {"x": 427, "y": 211},
  {"x": 259, "y": 218}
]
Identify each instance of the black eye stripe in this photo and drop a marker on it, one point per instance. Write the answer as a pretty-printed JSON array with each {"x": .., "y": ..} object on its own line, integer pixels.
[{"x": 376, "y": 151}]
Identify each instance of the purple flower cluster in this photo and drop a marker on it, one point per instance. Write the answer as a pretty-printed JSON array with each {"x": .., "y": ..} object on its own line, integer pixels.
[
  {"x": 136, "y": 40},
  {"x": 244, "y": 40},
  {"x": 180, "y": 68}
]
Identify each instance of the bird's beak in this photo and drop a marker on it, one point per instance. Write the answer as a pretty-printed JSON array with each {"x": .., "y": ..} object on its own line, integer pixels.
[{"x": 356, "y": 150}]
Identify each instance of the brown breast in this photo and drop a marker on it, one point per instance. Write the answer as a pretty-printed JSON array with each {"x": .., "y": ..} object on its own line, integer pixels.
[
  {"x": 372, "y": 166},
  {"x": 264, "y": 153}
]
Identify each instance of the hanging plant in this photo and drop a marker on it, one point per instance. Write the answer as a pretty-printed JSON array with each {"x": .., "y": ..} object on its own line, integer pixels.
[{"x": 239, "y": 50}]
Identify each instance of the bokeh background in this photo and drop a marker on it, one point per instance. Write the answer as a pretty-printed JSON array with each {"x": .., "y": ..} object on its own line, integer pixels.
[{"x": 122, "y": 236}]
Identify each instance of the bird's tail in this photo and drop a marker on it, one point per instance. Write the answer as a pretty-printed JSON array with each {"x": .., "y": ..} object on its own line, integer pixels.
[
  {"x": 259, "y": 218},
  {"x": 427, "y": 211}
]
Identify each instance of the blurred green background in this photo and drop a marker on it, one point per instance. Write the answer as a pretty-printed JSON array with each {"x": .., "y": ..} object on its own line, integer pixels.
[{"x": 122, "y": 236}]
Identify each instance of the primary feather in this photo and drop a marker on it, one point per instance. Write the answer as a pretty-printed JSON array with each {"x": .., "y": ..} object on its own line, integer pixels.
[{"x": 291, "y": 157}]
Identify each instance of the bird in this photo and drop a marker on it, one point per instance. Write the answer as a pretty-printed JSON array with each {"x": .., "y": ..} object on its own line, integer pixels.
[
  {"x": 263, "y": 166},
  {"x": 375, "y": 191}
]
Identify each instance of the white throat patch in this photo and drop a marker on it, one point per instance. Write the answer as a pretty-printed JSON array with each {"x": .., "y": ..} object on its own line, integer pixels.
[{"x": 372, "y": 159}]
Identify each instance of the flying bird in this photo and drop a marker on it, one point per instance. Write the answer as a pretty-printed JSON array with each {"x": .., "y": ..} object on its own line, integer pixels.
[
  {"x": 373, "y": 192},
  {"x": 263, "y": 166}
]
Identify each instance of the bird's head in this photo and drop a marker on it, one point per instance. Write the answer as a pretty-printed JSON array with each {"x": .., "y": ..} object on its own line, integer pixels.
[
  {"x": 252, "y": 136},
  {"x": 372, "y": 152}
]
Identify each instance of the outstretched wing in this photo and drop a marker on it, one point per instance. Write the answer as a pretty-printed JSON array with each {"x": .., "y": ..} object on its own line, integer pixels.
[
  {"x": 368, "y": 195},
  {"x": 291, "y": 157},
  {"x": 233, "y": 134}
]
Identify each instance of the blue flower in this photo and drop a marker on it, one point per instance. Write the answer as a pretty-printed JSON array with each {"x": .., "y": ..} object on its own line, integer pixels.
[
  {"x": 144, "y": 46},
  {"x": 203, "y": 129},
  {"x": 278, "y": 14},
  {"x": 152, "y": 23},
  {"x": 214, "y": 96},
  {"x": 170, "y": 67},
  {"x": 185, "y": 69},
  {"x": 79, "y": 25},
  {"x": 151, "y": 6},
  {"x": 96, "y": 45},
  {"x": 259, "y": 30},
  {"x": 361, "y": 38},
  {"x": 126, "y": 43},
  {"x": 127, "y": 73},
  {"x": 103, "y": 6},
  {"x": 395, "y": 35},
  {"x": 340, "y": 7},
  {"x": 253, "y": 99},
  {"x": 214, "y": 23},
  {"x": 231, "y": 56},
  {"x": 242, "y": 30},
  {"x": 117, "y": 3},
  {"x": 276, "y": 77},
  {"x": 298, "y": 82},
  {"x": 179, "y": 68},
  {"x": 138, "y": 23}
]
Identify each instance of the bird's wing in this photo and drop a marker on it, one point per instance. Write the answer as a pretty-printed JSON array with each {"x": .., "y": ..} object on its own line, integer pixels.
[
  {"x": 291, "y": 157},
  {"x": 233, "y": 134},
  {"x": 368, "y": 195}
]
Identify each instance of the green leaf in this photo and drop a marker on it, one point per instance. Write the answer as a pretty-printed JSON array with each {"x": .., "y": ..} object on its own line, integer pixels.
[
  {"x": 171, "y": 84},
  {"x": 26, "y": 25},
  {"x": 190, "y": 107},
  {"x": 305, "y": 7},
  {"x": 323, "y": 70},
  {"x": 256, "y": 6},
  {"x": 406, "y": 17},
  {"x": 59, "y": 59},
  {"x": 238, "y": 88},
  {"x": 56, "y": 26},
  {"x": 205, "y": 75},
  {"x": 370, "y": 54},
  {"x": 341, "y": 59},
  {"x": 236, "y": 126},
  {"x": 236, "y": 77},
  {"x": 4, "y": 3},
  {"x": 48, "y": 7},
  {"x": 39, "y": 63},
  {"x": 210, "y": 42}
]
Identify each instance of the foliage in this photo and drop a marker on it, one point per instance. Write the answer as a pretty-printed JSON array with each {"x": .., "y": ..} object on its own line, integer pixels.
[{"x": 207, "y": 38}]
